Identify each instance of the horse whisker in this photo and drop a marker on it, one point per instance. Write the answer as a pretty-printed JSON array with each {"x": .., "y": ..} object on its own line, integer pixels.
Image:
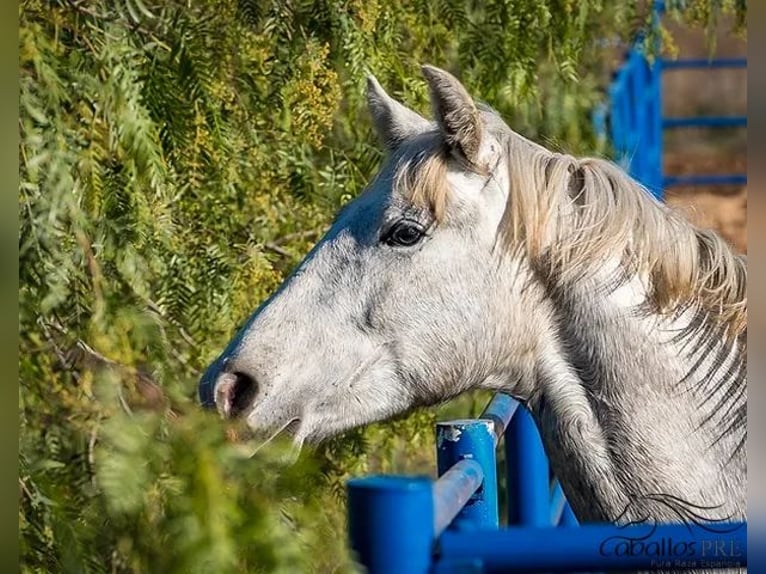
[{"x": 273, "y": 436}]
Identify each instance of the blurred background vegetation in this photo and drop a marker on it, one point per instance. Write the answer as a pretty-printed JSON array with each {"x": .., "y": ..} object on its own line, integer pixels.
[{"x": 177, "y": 159}]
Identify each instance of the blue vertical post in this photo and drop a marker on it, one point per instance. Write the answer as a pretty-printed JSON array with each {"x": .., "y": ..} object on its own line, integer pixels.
[
  {"x": 390, "y": 523},
  {"x": 528, "y": 473},
  {"x": 473, "y": 439},
  {"x": 568, "y": 517}
]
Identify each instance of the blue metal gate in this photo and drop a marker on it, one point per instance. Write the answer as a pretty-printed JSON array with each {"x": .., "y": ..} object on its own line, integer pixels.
[
  {"x": 415, "y": 525},
  {"x": 632, "y": 118}
]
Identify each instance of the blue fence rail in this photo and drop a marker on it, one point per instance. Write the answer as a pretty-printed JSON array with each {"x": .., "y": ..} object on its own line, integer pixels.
[
  {"x": 409, "y": 525},
  {"x": 633, "y": 120}
]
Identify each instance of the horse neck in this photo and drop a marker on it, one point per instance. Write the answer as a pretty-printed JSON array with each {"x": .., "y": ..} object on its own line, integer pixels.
[{"x": 618, "y": 404}]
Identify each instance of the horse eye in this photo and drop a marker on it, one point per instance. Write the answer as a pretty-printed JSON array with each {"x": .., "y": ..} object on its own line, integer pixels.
[{"x": 404, "y": 234}]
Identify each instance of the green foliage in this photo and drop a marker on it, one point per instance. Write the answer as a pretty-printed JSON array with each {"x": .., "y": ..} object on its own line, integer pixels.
[{"x": 177, "y": 159}]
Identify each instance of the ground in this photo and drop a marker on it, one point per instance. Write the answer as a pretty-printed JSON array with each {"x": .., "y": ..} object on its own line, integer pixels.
[{"x": 723, "y": 208}]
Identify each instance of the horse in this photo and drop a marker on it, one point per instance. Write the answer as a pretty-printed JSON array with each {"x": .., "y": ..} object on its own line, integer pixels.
[{"x": 478, "y": 259}]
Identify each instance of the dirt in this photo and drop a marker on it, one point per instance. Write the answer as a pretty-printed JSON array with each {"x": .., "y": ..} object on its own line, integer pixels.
[{"x": 723, "y": 208}]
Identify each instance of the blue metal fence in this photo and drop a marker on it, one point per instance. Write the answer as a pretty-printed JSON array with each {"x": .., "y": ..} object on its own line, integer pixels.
[
  {"x": 636, "y": 124},
  {"x": 416, "y": 525}
]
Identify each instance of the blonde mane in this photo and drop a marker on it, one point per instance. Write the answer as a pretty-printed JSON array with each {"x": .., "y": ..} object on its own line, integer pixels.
[{"x": 571, "y": 216}]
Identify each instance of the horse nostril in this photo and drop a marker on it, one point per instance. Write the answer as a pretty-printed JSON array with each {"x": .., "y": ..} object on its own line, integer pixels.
[{"x": 234, "y": 393}]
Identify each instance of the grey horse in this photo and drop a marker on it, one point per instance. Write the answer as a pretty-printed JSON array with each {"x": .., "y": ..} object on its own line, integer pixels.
[{"x": 479, "y": 259}]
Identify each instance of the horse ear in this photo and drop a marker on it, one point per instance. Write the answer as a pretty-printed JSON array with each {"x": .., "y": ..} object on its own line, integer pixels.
[
  {"x": 455, "y": 112},
  {"x": 393, "y": 122}
]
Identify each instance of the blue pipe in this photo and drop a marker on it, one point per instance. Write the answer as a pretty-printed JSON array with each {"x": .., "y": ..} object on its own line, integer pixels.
[
  {"x": 500, "y": 410},
  {"x": 596, "y": 547},
  {"x": 705, "y": 122},
  {"x": 723, "y": 179},
  {"x": 471, "y": 439},
  {"x": 527, "y": 473},
  {"x": 558, "y": 501},
  {"x": 568, "y": 517},
  {"x": 390, "y": 523},
  {"x": 697, "y": 63},
  {"x": 453, "y": 490}
]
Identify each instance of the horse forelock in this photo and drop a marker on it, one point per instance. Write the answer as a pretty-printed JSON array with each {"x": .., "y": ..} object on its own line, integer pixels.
[{"x": 421, "y": 174}]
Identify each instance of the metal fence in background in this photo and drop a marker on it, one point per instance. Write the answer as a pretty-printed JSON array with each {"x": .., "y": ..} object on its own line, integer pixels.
[{"x": 632, "y": 118}]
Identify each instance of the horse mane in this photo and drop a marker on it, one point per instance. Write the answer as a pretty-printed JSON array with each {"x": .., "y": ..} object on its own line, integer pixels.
[{"x": 570, "y": 216}]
